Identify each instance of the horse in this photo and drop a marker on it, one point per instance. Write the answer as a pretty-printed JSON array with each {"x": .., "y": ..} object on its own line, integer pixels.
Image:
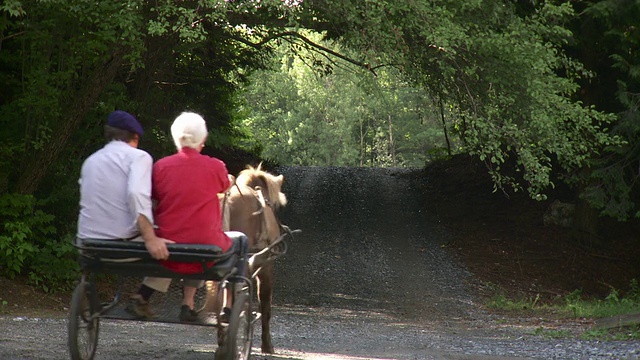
[{"x": 250, "y": 207}]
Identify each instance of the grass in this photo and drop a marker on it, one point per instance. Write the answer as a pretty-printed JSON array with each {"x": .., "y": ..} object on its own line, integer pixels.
[
  {"x": 612, "y": 305},
  {"x": 576, "y": 306},
  {"x": 500, "y": 301},
  {"x": 551, "y": 333},
  {"x": 620, "y": 334}
]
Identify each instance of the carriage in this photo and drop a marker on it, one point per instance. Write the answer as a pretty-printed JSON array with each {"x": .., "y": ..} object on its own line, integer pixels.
[{"x": 124, "y": 263}]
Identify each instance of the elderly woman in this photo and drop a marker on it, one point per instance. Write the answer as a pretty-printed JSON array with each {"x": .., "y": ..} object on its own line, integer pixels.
[{"x": 185, "y": 187}]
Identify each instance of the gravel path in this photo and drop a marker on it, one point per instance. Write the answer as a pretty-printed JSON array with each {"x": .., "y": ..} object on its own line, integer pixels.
[{"x": 367, "y": 279}]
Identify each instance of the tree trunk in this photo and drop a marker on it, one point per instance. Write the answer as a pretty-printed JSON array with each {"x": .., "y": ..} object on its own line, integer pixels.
[
  {"x": 392, "y": 149},
  {"x": 585, "y": 227},
  {"x": 444, "y": 125},
  {"x": 362, "y": 149},
  {"x": 585, "y": 221},
  {"x": 79, "y": 106},
  {"x": 373, "y": 142}
]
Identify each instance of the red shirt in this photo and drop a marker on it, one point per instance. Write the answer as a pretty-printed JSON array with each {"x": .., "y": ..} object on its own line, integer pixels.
[{"x": 186, "y": 187}]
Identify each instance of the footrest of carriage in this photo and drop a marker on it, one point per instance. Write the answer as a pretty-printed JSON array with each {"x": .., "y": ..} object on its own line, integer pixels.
[{"x": 163, "y": 315}]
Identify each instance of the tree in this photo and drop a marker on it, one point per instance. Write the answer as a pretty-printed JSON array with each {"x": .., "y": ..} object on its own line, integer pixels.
[
  {"x": 74, "y": 61},
  {"x": 607, "y": 39},
  {"x": 68, "y": 63},
  {"x": 310, "y": 111},
  {"x": 499, "y": 69}
]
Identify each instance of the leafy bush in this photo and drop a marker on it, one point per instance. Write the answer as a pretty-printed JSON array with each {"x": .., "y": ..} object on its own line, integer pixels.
[
  {"x": 613, "y": 304},
  {"x": 15, "y": 250},
  {"x": 55, "y": 267},
  {"x": 23, "y": 224},
  {"x": 29, "y": 244}
]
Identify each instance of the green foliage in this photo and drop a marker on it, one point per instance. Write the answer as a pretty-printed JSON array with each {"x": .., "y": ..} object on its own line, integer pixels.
[
  {"x": 498, "y": 67},
  {"x": 500, "y": 301},
  {"x": 28, "y": 245},
  {"x": 373, "y": 83},
  {"x": 551, "y": 334},
  {"x": 14, "y": 250},
  {"x": 55, "y": 267},
  {"x": 307, "y": 111},
  {"x": 51, "y": 51},
  {"x": 24, "y": 227},
  {"x": 66, "y": 65},
  {"x": 576, "y": 306},
  {"x": 169, "y": 58},
  {"x": 12, "y": 7},
  {"x": 626, "y": 334},
  {"x": 613, "y": 304},
  {"x": 612, "y": 186}
]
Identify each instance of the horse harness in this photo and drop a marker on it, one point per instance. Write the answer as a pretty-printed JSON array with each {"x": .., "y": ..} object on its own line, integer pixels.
[{"x": 261, "y": 236}]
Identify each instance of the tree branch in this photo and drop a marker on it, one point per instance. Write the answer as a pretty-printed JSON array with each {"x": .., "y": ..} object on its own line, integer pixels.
[
  {"x": 260, "y": 44},
  {"x": 12, "y": 36},
  {"x": 2, "y": 39}
]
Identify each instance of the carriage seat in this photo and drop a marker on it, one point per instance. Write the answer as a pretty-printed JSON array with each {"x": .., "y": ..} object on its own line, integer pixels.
[{"x": 132, "y": 258}]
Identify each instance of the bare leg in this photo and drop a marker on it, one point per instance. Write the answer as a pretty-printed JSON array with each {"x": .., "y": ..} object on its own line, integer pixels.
[
  {"x": 227, "y": 297},
  {"x": 188, "y": 295}
]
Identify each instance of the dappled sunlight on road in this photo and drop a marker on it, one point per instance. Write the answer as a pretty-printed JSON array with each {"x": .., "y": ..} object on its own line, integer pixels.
[
  {"x": 292, "y": 354},
  {"x": 285, "y": 354}
]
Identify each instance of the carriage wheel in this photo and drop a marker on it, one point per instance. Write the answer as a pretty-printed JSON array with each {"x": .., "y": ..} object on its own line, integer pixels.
[
  {"x": 83, "y": 329},
  {"x": 239, "y": 336}
]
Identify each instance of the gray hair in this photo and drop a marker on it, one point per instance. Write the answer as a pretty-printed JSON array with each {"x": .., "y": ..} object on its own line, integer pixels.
[
  {"x": 112, "y": 133},
  {"x": 189, "y": 130}
]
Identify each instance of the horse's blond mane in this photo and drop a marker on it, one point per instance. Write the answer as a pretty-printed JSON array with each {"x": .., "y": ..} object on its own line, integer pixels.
[{"x": 251, "y": 177}]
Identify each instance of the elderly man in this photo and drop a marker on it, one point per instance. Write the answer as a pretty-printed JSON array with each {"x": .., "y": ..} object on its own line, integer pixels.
[
  {"x": 115, "y": 189},
  {"x": 186, "y": 187}
]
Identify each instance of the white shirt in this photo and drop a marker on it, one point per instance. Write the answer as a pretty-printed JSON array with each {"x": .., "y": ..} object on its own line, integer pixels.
[{"x": 115, "y": 187}]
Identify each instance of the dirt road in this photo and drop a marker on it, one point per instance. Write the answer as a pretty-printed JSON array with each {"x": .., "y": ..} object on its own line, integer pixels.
[{"x": 367, "y": 279}]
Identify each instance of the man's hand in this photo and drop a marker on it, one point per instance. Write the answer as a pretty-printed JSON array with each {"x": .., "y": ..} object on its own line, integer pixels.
[{"x": 157, "y": 247}]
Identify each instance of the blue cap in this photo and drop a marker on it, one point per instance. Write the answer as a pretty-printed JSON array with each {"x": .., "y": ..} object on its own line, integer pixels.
[{"x": 125, "y": 121}]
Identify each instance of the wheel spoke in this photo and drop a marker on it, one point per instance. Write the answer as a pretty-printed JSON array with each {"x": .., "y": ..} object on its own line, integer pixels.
[
  {"x": 83, "y": 326},
  {"x": 237, "y": 342}
]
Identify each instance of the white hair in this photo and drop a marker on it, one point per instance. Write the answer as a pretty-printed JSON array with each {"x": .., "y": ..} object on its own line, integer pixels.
[{"x": 189, "y": 130}]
